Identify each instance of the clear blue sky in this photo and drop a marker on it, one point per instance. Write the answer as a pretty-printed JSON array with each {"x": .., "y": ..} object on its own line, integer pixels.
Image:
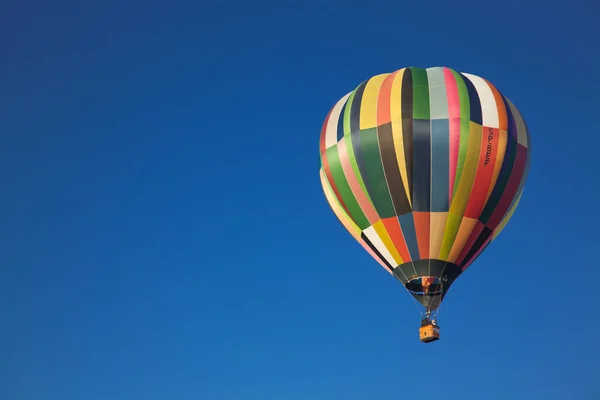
[{"x": 164, "y": 235}]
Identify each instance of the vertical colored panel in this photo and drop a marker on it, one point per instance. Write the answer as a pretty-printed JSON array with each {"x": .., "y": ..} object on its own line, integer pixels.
[
  {"x": 437, "y": 227},
  {"x": 505, "y": 171},
  {"x": 371, "y": 170},
  {"x": 322, "y": 145},
  {"x": 469, "y": 260},
  {"x": 326, "y": 163},
  {"x": 385, "y": 237},
  {"x": 452, "y": 225},
  {"x": 479, "y": 243},
  {"x": 422, "y": 226},
  {"x": 392, "y": 225},
  {"x": 526, "y": 142},
  {"x": 348, "y": 136},
  {"x": 507, "y": 218},
  {"x": 465, "y": 127},
  {"x": 355, "y": 107},
  {"x": 333, "y": 122},
  {"x": 410, "y": 235},
  {"x": 368, "y": 108},
  {"x": 487, "y": 102},
  {"x": 475, "y": 113},
  {"x": 421, "y": 199},
  {"x": 336, "y": 206},
  {"x": 485, "y": 170},
  {"x": 440, "y": 153},
  {"x": 420, "y": 96},
  {"x": 453, "y": 128},
  {"x": 396, "y": 106},
  {"x": 500, "y": 153},
  {"x": 377, "y": 253},
  {"x": 378, "y": 243},
  {"x": 438, "y": 99},
  {"x": 407, "y": 126},
  {"x": 384, "y": 99},
  {"x": 475, "y": 232},
  {"x": 461, "y": 196},
  {"x": 392, "y": 173},
  {"x": 345, "y": 193},
  {"x": 501, "y": 107},
  {"x": 422, "y": 165},
  {"x": 464, "y": 232},
  {"x": 511, "y": 189},
  {"x": 361, "y": 197},
  {"x": 340, "y": 122}
]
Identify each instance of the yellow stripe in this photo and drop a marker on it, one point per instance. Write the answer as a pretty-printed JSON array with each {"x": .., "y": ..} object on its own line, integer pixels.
[
  {"x": 337, "y": 208},
  {"x": 437, "y": 223},
  {"x": 396, "y": 117},
  {"x": 387, "y": 241},
  {"x": 461, "y": 197},
  {"x": 452, "y": 225},
  {"x": 368, "y": 105}
]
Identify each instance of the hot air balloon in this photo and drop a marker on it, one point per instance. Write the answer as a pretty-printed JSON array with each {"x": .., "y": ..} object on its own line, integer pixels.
[{"x": 424, "y": 168}]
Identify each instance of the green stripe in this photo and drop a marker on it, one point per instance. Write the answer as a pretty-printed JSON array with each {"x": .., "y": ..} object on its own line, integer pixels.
[
  {"x": 420, "y": 93},
  {"x": 350, "y": 148},
  {"x": 465, "y": 127},
  {"x": 347, "y": 112},
  {"x": 344, "y": 188},
  {"x": 375, "y": 175}
]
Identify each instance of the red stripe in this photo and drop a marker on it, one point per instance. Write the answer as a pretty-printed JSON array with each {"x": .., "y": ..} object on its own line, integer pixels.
[
  {"x": 383, "y": 100},
  {"x": 485, "y": 171},
  {"x": 323, "y": 131},
  {"x": 454, "y": 120},
  {"x": 325, "y": 163},
  {"x": 466, "y": 265},
  {"x": 392, "y": 225}
]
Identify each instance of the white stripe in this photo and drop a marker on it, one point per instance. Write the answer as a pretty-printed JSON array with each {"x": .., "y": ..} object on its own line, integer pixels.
[
  {"x": 438, "y": 98},
  {"x": 371, "y": 234},
  {"x": 332, "y": 123},
  {"x": 521, "y": 129},
  {"x": 489, "y": 109}
]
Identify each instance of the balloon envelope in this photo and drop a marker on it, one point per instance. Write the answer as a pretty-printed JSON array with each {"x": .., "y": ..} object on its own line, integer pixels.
[{"x": 424, "y": 167}]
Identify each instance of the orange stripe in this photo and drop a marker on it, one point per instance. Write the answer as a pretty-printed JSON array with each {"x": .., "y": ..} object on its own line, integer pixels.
[
  {"x": 502, "y": 117},
  {"x": 422, "y": 231},
  {"x": 477, "y": 229},
  {"x": 384, "y": 114},
  {"x": 466, "y": 227},
  {"x": 392, "y": 225}
]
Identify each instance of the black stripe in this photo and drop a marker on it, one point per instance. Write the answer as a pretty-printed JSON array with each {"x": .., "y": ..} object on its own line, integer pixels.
[
  {"x": 479, "y": 242},
  {"x": 422, "y": 161},
  {"x": 406, "y": 102},
  {"x": 355, "y": 131},
  {"x": 474, "y": 102},
  {"x": 355, "y": 110},
  {"x": 340, "y": 124},
  {"x": 392, "y": 172},
  {"x": 383, "y": 260}
]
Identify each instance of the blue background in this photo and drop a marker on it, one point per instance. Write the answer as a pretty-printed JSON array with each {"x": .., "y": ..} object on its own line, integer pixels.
[{"x": 163, "y": 231}]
